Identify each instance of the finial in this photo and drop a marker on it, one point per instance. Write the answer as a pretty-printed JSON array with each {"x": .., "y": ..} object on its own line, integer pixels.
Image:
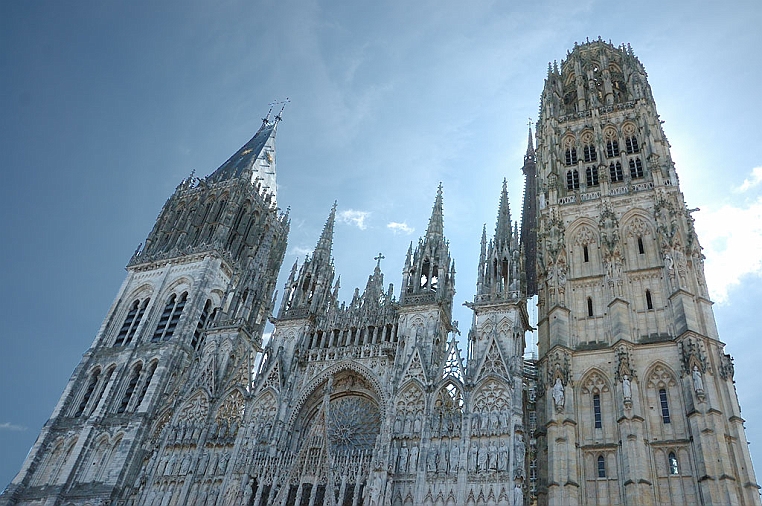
[{"x": 378, "y": 260}]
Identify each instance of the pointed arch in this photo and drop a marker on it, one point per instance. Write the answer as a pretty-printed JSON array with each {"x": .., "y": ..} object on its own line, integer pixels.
[
  {"x": 597, "y": 411},
  {"x": 409, "y": 408},
  {"x": 447, "y": 410},
  {"x": 490, "y": 407},
  {"x": 195, "y": 409}
]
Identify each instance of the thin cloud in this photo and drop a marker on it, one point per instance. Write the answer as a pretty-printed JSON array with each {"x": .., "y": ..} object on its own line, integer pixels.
[
  {"x": 12, "y": 427},
  {"x": 400, "y": 228},
  {"x": 300, "y": 252},
  {"x": 753, "y": 180},
  {"x": 356, "y": 218},
  {"x": 732, "y": 241}
]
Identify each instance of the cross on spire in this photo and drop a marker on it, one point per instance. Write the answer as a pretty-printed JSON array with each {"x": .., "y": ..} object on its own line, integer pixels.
[{"x": 378, "y": 259}]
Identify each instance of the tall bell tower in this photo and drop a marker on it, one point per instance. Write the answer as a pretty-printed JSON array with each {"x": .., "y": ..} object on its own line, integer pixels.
[
  {"x": 639, "y": 405},
  {"x": 190, "y": 313}
]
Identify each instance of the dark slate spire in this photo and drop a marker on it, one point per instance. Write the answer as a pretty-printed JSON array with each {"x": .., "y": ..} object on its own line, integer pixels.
[
  {"x": 530, "y": 154},
  {"x": 529, "y": 219},
  {"x": 436, "y": 222},
  {"x": 255, "y": 160}
]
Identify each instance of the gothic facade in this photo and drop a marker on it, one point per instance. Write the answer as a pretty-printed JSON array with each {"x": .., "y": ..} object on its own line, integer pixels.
[
  {"x": 636, "y": 397},
  {"x": 371, "y": 401}
]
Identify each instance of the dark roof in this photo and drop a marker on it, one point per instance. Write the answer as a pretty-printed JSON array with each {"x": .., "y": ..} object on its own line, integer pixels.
[{"x": 244, "y": 157}]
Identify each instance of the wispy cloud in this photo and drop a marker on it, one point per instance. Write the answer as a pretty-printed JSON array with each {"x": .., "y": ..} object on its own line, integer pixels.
[
  {"x": 400, "y": 228},
  {"x": 732, "y": 241},
  {"x": 353, "y": 217},
  {"x": 753, "y": 180},
  {"x": 10, "y": 426},
  {"x": 300, "y": 252}
]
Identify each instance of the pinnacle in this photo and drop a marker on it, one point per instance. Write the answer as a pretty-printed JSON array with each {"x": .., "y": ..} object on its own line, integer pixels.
[
  {"x": 503, "y": 227},
  {"x": 436, "y": 222},
  {"x": 325, "y": 243}
]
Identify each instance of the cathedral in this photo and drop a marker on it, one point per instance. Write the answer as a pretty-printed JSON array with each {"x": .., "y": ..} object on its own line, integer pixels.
[{"x": 372, "y": 401}]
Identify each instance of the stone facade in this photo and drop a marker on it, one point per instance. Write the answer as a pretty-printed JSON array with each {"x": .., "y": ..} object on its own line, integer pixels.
[
  {"x": 178, "y": 401},
  {"x": 637, "y": 403}
]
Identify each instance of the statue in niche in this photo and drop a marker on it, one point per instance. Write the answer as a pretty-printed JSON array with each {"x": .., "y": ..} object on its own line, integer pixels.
[
  {"x": 518, "y": 495},
  {"x": 492, "y": 456},
  {"x": 698, "y": 381},
  {"x": 502, "y": 457},
  {"x": 408, "y": 423},
  {"x": 494, "y": 422},
  {"x": 203, "y": 463},
  {"x": 413, "y": 467},
  {"x": 431, "y": 460},
  {"x": 482, "y": 459},
  {"x": 417, "y": 424},
  {"x": 393, "y": 458},
  {"x": 473, "y": 456},
  {"x": 520, "y": 450},
  {"x": 402, "y": 465},
  {"x": 475, "y": 423},
  {"x": 442, "y": 459},
  {"x": 455, "y": 458},
  {"x": 398, "y": 424},
  {"x": 558, "y": 395},
  {"x": 626, "y": 388}
]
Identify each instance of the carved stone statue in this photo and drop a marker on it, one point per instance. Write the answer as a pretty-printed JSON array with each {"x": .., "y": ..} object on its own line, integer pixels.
[
  {"x": 626, "y": 388},
  {"x": 698, "y": 382},
  {"x": 558, "y": 395},
  {"x": 413, "y": 466},
  {"x": 472, "y": 456},
  {"x": 455, "y": 458},
  {"x": 431, "y": 460},
  {"x": 402, "y": 466},
  {"x": 518, "y": 496},
  {"x": 502, "y": 457}
]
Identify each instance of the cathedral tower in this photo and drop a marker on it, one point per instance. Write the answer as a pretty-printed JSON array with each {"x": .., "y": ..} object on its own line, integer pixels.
[
  {"x": 639, "y": 405},
  {"x": 178, "y": 340}
]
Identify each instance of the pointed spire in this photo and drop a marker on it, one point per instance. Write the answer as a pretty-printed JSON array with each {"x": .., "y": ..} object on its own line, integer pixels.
[
  {"x": 503, "y": 227},
  {"x": 325, "y": 243},
  {"x": 436, "y": 222},
  {"x": 261, "y": 146},
  {"x": 530, "y": 154}
]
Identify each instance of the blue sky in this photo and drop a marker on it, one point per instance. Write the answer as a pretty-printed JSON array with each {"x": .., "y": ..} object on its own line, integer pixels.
[{"x": 106, "y": 106}]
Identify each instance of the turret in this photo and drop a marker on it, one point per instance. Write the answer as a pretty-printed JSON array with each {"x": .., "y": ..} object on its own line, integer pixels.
[
  {"x": 311, "y": 290},
  {"x": 429, "y": 272}
]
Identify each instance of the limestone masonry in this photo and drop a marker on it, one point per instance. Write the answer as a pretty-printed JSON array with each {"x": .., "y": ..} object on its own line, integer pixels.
[{"x": 371, "y": 402}]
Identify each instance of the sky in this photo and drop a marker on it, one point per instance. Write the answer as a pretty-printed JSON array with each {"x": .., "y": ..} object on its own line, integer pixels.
[{"x": 106, "y": 106}]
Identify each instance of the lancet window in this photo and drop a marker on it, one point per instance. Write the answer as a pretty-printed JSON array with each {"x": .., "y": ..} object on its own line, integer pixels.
[
  {"x": 631, "y": 145},
  {"x": 664, "y": 406},
  {"x": 572, "y": 179},
  {"x": 591, "y": 176},
  {"x": 612, "y": 148},
  {"x": 88, "y": 392},
  {"x": 570, "y": 156},
  {"x": 207, "y": 314},
  {"x": 170, "y": 317},
  {"x": 146, "y": 383},
  {"x": 597, "y": 410},
  {"x": 590, "y": 154},
  {"x": 130, "y": 389},
  {"x": 615, "y": 172},
  {"x": 674, "y": 468},
  {"x": 601, "y": 466},
  {"x": 131, "y": 322},
  {"x": 636, "y": 168}
]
